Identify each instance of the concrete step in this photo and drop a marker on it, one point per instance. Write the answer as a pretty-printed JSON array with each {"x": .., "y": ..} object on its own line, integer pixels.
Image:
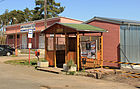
[{"x": 50, "y": 69}]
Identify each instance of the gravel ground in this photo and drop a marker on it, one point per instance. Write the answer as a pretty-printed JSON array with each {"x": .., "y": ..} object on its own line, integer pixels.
[
  {"x": 20, "y": 57},
  {"x": 123, "y": 78},
  {"x": 26, "y": 77}
]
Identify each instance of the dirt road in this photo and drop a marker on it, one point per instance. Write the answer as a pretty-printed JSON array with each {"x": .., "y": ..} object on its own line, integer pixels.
[{"x": 26, "y": 77}]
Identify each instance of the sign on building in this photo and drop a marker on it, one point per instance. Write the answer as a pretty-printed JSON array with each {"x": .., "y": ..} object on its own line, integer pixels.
[
  {"x": 26, "y": 28},
  {"x": 30, "y": 33}
]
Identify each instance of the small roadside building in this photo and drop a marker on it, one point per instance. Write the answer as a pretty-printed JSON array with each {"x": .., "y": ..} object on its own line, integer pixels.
[
  {"x": 82, "y": 41},
  {"x": 121, "y": 42},
  {"x": 37, "y": 26}
]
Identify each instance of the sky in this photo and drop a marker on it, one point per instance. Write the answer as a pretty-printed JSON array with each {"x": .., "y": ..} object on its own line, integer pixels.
[{"x": 85, "y": 9}]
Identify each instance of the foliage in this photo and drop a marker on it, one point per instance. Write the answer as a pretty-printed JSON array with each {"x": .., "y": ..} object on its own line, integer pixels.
[
  {"x": 53, "y": 9},
  {"x": 71, "y": 72},
  {"x": 13, "y": 17},
  {"x": 23, "y": 62},
  {"x": 70, "y": 63},
  {"x": 19, "y": 16},
  {"x": 43, "y": 60}
]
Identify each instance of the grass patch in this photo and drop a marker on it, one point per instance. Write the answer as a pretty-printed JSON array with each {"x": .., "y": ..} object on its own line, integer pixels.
[
  {"x": 33, "y": 62},
  {"x": 13, "y": 56}
]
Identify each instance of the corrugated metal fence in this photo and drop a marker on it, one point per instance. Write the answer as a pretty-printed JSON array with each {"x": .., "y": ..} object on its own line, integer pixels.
[{"x": 130, "y": 43}]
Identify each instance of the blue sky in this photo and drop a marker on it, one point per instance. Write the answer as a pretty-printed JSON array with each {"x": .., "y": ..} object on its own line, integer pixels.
[{"x": 85, "y": 9}]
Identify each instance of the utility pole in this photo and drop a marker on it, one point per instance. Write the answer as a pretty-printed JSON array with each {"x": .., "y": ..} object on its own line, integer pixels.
[
  {"x": 45, "y": 13},
  {"x": 3, "y": 36},
  {"x": 45, "y": 23}
]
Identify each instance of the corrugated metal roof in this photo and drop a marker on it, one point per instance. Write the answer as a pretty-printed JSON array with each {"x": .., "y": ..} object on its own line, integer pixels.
[{"x": 114, "y": 20}]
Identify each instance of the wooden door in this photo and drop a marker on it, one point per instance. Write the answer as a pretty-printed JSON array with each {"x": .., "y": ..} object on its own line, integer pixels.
[{"x": 72, "y": 49}]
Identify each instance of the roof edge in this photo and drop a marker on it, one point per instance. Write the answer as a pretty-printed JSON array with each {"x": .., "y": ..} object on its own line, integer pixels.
[
  {"x": 102, "y": 19},
  {"x": 111, "y": 21},
  {"x": 43, "y": 20},
  {"x": 33, "y": 21},
  {"x": 71, "y": 19}
]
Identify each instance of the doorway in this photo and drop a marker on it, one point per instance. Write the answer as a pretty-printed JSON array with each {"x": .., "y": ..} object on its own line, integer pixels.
[
  {"x": 60, "y": 50},
  {"x": 24, "y": 41},
  {"x": 72, "y": 49}
]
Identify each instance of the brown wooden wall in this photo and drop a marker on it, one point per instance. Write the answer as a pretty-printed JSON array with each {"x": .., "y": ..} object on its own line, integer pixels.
[{"x": 50, "y": 57}]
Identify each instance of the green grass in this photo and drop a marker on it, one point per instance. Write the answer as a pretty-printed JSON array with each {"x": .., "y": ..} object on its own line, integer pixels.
[
  {"x": 33, "y": 62},
  {"x": 13, "y": 56}
]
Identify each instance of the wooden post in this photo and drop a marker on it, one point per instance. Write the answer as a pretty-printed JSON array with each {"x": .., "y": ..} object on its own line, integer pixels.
[
  {"x": 102, "y": 50},
  {"x": 16, "y": 50},
  {"x": 90, "y": 39},
  {"x": 66, "y": 47},
  {"x": 78, "y": 51},
  {"x": 54, "y": 46},
  {"x": 20, "y": 41}
]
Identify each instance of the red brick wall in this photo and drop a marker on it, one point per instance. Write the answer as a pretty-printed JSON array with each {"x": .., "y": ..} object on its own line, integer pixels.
[
  {"x": 11, "y": 42},
  {"x": 37, "y": 40},
  {"x": 39, "y": 26},
  {"x": 111, "y": 41}
]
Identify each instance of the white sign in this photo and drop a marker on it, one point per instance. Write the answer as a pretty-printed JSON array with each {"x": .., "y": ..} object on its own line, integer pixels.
[
  {"x": 29, "y": 45},
  {"x": 26, "y": 28},
  {"x": 30, "y": 33}
]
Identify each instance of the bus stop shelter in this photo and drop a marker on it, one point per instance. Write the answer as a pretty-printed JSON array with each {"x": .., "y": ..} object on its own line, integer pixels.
[{"x": 66, "y": 41}]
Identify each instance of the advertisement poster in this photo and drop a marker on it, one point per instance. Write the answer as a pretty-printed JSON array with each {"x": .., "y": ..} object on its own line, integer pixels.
[{"x": 89, "y": 49}]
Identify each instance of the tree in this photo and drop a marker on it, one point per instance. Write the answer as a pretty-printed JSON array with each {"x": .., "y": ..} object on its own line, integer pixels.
[
  {"x": 53, "y": 9},
  {"x": 28, "y": 14},
  {"x": 4, "y": 19},
  {"x": 12, "y": 17},
  {"x": 19, "y": 16},
  {"x": 16, "y": 16}
]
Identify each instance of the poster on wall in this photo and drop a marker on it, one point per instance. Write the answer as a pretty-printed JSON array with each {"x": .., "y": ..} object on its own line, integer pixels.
[
  {"x": 88, "y": 49},
  {"x": 92, "y": 50}
]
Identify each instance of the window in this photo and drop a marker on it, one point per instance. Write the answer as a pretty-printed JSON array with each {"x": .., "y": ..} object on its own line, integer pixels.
[
  {"x": 50, "y": 44},
  {"x": 18, "y": 36},
  {"x": 10, "y": 36},
  {"x": 33, "y": 35}
]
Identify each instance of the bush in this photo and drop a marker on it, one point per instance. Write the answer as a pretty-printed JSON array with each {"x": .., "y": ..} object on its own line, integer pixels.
[{"x": 70, "y": 63}]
